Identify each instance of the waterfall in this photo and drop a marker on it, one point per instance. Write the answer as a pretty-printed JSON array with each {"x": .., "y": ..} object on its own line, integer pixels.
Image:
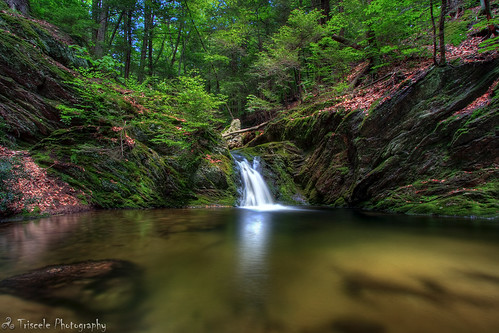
[{"x": 255, "y": 192}]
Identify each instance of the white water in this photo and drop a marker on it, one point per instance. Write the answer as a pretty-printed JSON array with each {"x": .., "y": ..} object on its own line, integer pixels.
[{"x": 255, "y": 193}]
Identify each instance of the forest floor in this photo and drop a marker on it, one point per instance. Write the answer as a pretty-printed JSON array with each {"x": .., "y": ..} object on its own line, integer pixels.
[
  {"x": 394, "y": 77},
  {"x": 39, "y": 192}
]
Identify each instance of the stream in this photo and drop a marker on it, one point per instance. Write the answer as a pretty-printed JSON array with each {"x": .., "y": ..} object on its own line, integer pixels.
[{"x": 241, "y": 270}]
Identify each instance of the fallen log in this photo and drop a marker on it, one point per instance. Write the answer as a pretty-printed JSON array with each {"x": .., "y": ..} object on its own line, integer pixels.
[{"x": 224, "y": 135}]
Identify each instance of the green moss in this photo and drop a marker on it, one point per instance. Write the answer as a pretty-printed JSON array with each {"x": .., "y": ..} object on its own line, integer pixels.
[
  {"x": 436, "y": 198},
  {"x": 20, "y": 25},
  {"x": 456, "y": 31},
  {"x": 89, "y": 158},
  {"x": 340, "y": 202},
  {"x": 25, "y": 58}
]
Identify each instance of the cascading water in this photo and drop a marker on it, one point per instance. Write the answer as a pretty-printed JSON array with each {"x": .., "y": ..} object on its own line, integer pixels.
[{"x": 255, "y": 192}]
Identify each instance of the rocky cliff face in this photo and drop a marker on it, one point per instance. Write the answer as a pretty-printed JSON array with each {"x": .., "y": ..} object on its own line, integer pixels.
[
  {"x": 33, "y": 72},
  {"x": 431, "y": 148}
]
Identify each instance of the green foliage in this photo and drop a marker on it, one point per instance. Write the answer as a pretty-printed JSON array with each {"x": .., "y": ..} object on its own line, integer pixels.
[
  {"x": 191, "y": 97},
  {"x": 489, "y": 45},
  {"x": 329, "y": 61},
  {"x": 72, "y": 16},
  {"x": 456, "y": 31},
  {"x": 285, "y": 57},
  {"x": 68, "y": 113},
  {"x": 99, "y": 100},
  {"x": 398, "y": 26},
  {"x": 4, "y": 128},
  {"x": 256, "y": 104},
  {"x": 492, "y": 43},
  {"x": 106, "y": 65}
]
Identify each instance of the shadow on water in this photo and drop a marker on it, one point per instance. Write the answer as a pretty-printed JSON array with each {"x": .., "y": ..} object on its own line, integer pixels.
[{"x": 357, "y": 284}]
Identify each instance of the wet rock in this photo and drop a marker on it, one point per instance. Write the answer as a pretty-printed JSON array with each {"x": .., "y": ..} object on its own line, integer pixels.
[{"x": 103, "y": 286}]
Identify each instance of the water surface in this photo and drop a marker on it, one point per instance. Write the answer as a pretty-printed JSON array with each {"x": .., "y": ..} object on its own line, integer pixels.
[{"x": 239, "y": 270}]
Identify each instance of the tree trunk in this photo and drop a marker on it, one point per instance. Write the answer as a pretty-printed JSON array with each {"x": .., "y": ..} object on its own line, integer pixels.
[
  {"x": 128, "y": 42},
  {"x": 100, "y": 35},
  {"x": 21, "y": 6},
  {"x": 175, "y": 49},
  {"x": 115, "y": 30},
  {"x": 204, "y": 47},
  {"x": 161, "y": 49},
  {"x": 145, "y": 40},
  {"x": 488, "y": 14},
  {"x": 441, "y": 33},
  {"x": 150, "y": 47},
  {"x": 346, "y": 42},
  {"x": 341, "y": 9},
  {"x": 96, "y": 6},
  {"x": 434, "y": 37},
  {"x": 326, "y": 11}
]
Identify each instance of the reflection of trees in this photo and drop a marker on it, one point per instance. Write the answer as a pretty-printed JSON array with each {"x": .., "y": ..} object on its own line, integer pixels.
[{"x": 26, "y": 242}]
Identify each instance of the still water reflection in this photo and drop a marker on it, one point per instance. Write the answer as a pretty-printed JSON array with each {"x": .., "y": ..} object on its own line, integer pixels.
[
  {"x": 253, "y": 238},
  {"x": 238, "y": 270}
]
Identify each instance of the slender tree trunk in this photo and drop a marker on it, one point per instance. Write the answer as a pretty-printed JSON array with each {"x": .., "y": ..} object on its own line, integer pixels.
[
  {"x": 175, "y": 49},
  {"x": 115, "y": 30},
  {"x": 434, "y": 36},
  {"x": 128, "y": 42},
  {"x": 150, "y": 47},
  {"x": 204, "y": 47},
  {"x": 346, "y": 42},
  {"x": 441, "y": 33},
  {"x": 181, "y": 57},
  {"x": 145, "y": 40},
  {"x": 161, "y": 49},
  {"x": 101, "y": 31},
  {"x": 96, "y": 7},
  {"x": 341, "y": 9}
]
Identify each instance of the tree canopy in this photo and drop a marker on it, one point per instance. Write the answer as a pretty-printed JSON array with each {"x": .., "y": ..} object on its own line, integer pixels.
[{"x": 257, "y": 53}]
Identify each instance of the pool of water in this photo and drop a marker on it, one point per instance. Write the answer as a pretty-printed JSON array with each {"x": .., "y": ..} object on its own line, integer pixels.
[{"x": 239, "y": 270}]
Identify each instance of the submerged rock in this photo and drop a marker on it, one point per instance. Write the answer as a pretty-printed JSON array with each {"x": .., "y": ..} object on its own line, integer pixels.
[{"x": 103, "y": 286}]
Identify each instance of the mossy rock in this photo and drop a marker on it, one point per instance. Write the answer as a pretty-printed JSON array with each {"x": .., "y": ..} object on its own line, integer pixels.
[
  {"x": 89, "y": 158},
  {"x": 214, "y": 182}
]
